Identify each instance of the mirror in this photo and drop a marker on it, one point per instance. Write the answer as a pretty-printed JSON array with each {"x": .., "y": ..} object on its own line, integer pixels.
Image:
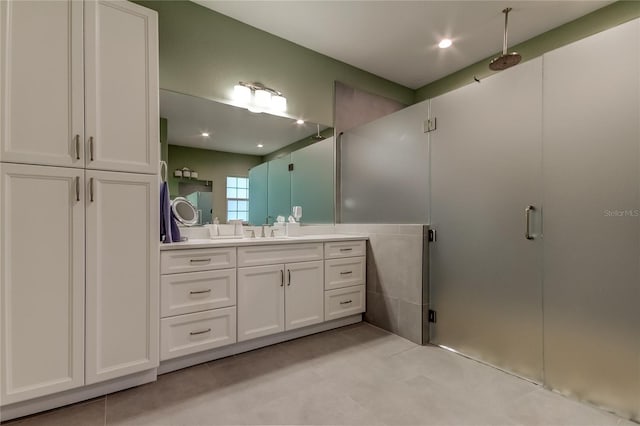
[
  {"x": 243, "y": 165},
  {"x": 184, "y": 211}
]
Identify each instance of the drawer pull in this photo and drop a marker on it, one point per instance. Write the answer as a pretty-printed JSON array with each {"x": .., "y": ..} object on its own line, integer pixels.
[
  {"x": 346, "y": 303},
  {"x": 200, "y": 260},
  {"x": 346, "y": 249},
  {"x": 346, "y": 273},
  {"x": 200, "y": 291},
  {"x": 193, "y": 333}
]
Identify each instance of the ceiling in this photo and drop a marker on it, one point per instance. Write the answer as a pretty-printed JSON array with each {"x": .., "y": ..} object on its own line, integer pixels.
[
  {"x": 397, "y": 39},
  {"x": 230, "y": 128}
]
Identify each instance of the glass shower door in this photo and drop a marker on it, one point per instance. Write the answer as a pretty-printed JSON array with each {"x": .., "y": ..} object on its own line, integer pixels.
[
  {"x": 591, "y": 222},
  {"x": 485, "y": 273}
]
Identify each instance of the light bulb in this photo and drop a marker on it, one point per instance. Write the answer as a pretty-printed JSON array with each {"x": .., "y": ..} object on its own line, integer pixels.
[
  {"x": 262, "y": 98},
  {"x": 279, "y": 103},
  {"x": 444, "y": 43},
  {"x": 242, "y": 94}
]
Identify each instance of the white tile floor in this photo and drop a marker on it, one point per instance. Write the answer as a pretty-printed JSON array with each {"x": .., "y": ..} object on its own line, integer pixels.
[{"x": 357, "y": 375}]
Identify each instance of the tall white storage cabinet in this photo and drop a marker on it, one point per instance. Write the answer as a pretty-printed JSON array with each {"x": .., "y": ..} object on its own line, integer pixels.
[
  {"x": 42, "y": 293},
  {"x": 79, "y": 91},
  {"x": 122, "y": 275}
]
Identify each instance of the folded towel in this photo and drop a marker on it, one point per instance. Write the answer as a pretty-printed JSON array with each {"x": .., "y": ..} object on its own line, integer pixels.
[
  {"x": 165, "y": 214},
  {"x": 169, "y": 231}
]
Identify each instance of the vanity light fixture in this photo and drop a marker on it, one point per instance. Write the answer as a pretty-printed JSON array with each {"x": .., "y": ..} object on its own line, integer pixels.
[
  {"x": 300, "y": 122},
  {"x": 444, "y": 43},
  {"x": 256, "y": 97}
]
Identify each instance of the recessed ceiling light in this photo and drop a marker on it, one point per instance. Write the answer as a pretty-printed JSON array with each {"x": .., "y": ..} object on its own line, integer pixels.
[
  {"x": 444, "y": 43},
  {"x": 205, "y": 134},
  {"x": 260, "y": 145},
  {"x": 300, "y": 121}
]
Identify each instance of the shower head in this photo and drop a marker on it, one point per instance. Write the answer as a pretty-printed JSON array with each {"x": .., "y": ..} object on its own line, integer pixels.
[{"x": 505, "y": 60}]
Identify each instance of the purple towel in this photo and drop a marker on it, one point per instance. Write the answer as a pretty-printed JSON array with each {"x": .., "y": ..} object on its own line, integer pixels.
[{"x": 169, "y": 231}]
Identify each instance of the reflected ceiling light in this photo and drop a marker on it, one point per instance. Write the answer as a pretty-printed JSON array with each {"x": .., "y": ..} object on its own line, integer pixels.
[
  {"x": 205, "y": 134},
  {"x": 444, "y": 43},
  {"x": 262, "y": 98},
  {"x": 300, "y": 121},
  {"x": 260, "y": 145},
  {"x": 279, "y": 103},
  {"x": 241, "y": 93},
  {"x": 256, "y": 97}
]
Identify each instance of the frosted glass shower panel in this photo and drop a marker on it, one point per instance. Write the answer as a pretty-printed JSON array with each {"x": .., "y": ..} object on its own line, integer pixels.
[
  {"x": 485, "y": 276},
  {"x": 384, "y": 169},
  {"x": 591, "y": 224},
  {"x": 258, "y": 194},
  {"x": 279, "y": 188},
  {"x": 312, "y": 181}
]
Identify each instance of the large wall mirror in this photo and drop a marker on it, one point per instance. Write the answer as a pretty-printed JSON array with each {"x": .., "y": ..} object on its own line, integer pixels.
[{"x": 231, "y": 163}]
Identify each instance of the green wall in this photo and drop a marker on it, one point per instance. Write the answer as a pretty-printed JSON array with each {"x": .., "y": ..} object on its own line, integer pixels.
[
  {"x": 204, "y": 53},
  {"x": 597, "y": 21},
  {"x": 210, "y": 165}
]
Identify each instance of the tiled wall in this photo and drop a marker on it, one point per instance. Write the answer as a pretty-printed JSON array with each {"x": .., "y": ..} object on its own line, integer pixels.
[{"x": 397, "y": 293}]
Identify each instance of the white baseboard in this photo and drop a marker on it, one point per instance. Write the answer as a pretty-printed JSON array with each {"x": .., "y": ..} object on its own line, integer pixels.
[
  {"x": 249, "y": 345},
  {"x": 20, "y": 409}
]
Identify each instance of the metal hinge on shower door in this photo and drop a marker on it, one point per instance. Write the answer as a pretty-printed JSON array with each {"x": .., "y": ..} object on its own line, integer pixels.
[
  {"x": 430, "y": 124},
  {"x": 433, "y": 317}
]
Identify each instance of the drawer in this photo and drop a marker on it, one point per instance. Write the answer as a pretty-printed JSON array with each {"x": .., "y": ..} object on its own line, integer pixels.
[
  {"x": 344, "y": 302},
  {"x": 275, "y": 254},
  {"x": 191, "y": 333},
  {"x": 336, "y": 249},
  {"x": 197, "y": 291},
  {"x": 346, "y": 272},
  {"x": 192, "y": 260}
]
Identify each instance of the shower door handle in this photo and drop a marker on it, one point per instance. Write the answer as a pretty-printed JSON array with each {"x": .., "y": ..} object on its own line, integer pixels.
[{"x": 527, "y": 214}]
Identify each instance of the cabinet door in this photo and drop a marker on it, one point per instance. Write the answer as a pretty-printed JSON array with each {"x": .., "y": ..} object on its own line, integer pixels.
[
  {"x": 121, "y": 72},
  {"x": 260, "y": 301},
  {"x": 41, "y": 83},
  {"x": 42, "y": 281},
  {"x": 122, "y": 274},
  {"x": 304, "y": 295}
]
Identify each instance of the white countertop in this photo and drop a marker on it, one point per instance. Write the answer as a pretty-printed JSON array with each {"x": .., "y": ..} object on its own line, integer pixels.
[{"x": 235, "y": 242}]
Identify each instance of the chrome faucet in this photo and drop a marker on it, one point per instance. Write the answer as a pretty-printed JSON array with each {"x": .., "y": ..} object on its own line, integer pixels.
[{"x": 266, "y": 223}]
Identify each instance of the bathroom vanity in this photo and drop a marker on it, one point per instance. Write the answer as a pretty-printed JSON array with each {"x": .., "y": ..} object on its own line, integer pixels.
[{"x": 222, "y": 297}]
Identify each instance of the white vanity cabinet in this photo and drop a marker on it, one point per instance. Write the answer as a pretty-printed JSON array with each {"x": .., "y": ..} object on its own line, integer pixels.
[
  {"x": 79, "y": 84},
  {"x": 197, "y": 299},
  {"x": 277, "y": 298},
  {"x": 222, "y": 298},
  {"x": 345, "y": 278}
]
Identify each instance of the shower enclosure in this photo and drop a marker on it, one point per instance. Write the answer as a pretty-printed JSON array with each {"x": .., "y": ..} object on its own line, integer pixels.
[
  {"x": 533, "y": 189},
  {"x": 535, "y": 177}
]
